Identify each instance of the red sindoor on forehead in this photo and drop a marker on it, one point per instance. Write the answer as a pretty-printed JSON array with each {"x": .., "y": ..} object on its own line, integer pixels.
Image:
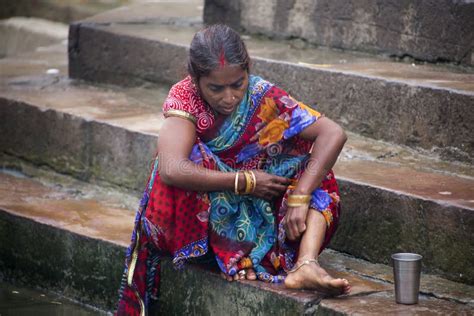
[{"x": 222, "y": 58}]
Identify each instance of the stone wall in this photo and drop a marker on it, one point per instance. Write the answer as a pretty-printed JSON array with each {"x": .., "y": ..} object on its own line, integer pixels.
[{"x": 426, "y": 30}]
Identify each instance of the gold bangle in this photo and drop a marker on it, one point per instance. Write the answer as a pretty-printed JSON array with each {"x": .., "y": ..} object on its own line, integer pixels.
[
  {"x": 296, "y": 204},
  {"x": 248, "y": 182},
  {"x": 298, "y": 200},
  {"x": 251, "y": 182},
  {"x": 182, "y": 114},
  {"x": 236, "y": 183},
  {"x": 254, "y": 181}
]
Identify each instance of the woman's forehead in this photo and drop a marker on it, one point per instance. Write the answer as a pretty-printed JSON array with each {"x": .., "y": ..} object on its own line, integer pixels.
[{"x": 226, "y": 75}]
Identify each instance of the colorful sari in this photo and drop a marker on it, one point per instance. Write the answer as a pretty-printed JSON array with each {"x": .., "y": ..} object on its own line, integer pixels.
[{"x": 241, "y": 231}]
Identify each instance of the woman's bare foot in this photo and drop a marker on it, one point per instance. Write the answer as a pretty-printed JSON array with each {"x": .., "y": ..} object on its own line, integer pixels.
[
  {"x": 312, "y": 277},
  {"x": 249, "y": 275}
]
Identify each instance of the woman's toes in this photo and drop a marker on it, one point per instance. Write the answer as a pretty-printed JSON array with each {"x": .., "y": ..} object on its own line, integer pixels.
[
  {"x": 338, "y": 283},
  {"x": 347, "y": 289},
  {"x": 226, "y": 277},
  {"x": 251, "y": 274}
]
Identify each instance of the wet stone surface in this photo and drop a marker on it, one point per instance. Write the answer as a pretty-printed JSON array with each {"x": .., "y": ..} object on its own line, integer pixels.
[
  {"x": 422, "y": 30},
  {"x": 75, "y": 236},
  {"x": 383, "y": 303},
  {"x": 398, "y": 102},
  {"x": 430, "y": 285},
  {"x": 25, "y": 79},
  {"x": 68, "y": 210},
  {"x": 445, "y": 77},
  {"x": 20, "y": 301},
  {"x": 438, "y": 187}
]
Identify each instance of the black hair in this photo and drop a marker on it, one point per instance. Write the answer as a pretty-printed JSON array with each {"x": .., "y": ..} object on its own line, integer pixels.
[{"x": 215, "y": 46}]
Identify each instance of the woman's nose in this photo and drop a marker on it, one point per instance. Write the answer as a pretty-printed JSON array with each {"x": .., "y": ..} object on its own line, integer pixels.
[{"x": 229, "y": 97}]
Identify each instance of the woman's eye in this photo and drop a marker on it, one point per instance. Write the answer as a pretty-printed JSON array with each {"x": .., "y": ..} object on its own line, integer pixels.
[
  {"x": 215, "y": 88},
  {"x": 237, "y": 85}
]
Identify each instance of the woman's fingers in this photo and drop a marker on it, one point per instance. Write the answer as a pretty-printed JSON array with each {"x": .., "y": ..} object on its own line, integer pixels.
[
  {"x": 294, "y": 230},
  {"x": 282, "y": 180},
  {"x": 268, "y": 193},
  {"x": 295, "y": 222},
  {"x": 279, "y": 188},
  {"x": 289, "y": 228}
]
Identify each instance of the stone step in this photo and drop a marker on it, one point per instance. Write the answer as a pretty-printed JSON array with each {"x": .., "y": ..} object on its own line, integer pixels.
[
  {"x": 419, "y": 105},
  {"x": 19, "y": 35},
  {"x": 394, "y": 199},
  {"x": 84, "y": 230},
  {"x": 434, "y": 31},
  {"x": 58, "y": 10}
]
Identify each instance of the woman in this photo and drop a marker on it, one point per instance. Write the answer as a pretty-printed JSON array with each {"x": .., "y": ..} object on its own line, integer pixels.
[{"x": 242, "y": 174}]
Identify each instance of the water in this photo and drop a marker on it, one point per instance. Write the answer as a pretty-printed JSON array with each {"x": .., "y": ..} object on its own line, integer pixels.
[{"x": 18, "y": 301}]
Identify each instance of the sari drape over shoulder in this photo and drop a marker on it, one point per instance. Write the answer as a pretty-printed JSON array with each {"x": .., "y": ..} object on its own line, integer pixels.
[{"x": 241, "y": 231}]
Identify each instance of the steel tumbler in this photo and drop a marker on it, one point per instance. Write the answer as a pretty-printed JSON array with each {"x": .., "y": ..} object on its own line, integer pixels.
[{"x": 406, "y": 273}]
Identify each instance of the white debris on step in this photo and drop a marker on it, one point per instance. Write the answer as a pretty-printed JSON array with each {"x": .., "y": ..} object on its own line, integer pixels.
[
  {"x": 445, "y": 193},
  {"x": 52, "y": 71}
]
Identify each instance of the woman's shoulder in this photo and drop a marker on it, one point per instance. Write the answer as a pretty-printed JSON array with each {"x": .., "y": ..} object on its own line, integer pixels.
[
  {"x": 184, "y": 96},
  {"x": 264, "y": 88},
  {"x": 185, "y": 101},
  {"x": 280, "y": 98},
  {"x": 184, "y": 89},
  {"x": 259, "y": 84}
]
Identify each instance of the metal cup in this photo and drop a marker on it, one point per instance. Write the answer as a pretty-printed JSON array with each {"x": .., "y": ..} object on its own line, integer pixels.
[{"x": 406, "y": 273}]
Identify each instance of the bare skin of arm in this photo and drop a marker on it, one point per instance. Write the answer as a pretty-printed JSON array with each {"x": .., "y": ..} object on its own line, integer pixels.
[
  {"x": 329, "y": 138},
  {"x": 174, "y": 147}
]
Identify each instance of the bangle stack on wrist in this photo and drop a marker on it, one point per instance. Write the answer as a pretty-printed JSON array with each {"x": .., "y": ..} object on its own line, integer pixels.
[
  {"x": 250, "y": 182},
  {"x": 236, "y": 183},
  {"x": 298, "y": 200}
]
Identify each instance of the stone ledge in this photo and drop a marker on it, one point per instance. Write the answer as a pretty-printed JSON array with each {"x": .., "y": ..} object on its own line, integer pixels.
[
  {"x": 87, "y": 266},
  {"x": 19, "y": 35},
  {"x": 439, "y": 31},
  {"x": 362, "y": 95}
]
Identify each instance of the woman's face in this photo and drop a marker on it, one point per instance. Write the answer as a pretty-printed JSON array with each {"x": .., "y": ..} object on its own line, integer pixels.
[{"x": 224, "y": 88}]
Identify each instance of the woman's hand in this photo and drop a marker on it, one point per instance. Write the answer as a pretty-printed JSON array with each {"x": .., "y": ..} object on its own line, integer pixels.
[
  {"x": 269, "y": 186},
  {"x": 295, "y": 221}
]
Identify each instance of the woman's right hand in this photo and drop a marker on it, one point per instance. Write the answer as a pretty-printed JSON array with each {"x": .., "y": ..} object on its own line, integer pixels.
[{"x": 269, "y": 186}]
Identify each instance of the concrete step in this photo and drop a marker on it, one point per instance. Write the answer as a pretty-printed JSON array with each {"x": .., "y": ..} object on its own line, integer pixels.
[
  {"x": 19, "y": 35},
  {"x": 64, "y": 11},
  {"x": 419, "y": 105},
  {"x": 25, "y": 301},
  {"x": 84, "y": 230},
  {"x": 434, "y": 31},
  {"x": 394, "y": 198}
]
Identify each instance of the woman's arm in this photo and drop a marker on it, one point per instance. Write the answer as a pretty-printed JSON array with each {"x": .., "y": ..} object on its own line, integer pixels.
[
  {"x": 176, "y": 140},
  {"x": 329, "y": 138}
]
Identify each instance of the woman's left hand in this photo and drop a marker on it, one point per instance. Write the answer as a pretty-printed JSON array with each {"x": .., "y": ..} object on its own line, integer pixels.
[{"x": 295, "y": 221}]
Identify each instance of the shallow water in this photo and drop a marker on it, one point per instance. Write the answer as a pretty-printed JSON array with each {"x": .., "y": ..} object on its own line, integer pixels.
[{"x": 19, "y": 301}]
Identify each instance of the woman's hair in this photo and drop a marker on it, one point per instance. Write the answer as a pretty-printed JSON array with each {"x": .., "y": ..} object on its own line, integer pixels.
[{"x": 214, "y": 47}]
